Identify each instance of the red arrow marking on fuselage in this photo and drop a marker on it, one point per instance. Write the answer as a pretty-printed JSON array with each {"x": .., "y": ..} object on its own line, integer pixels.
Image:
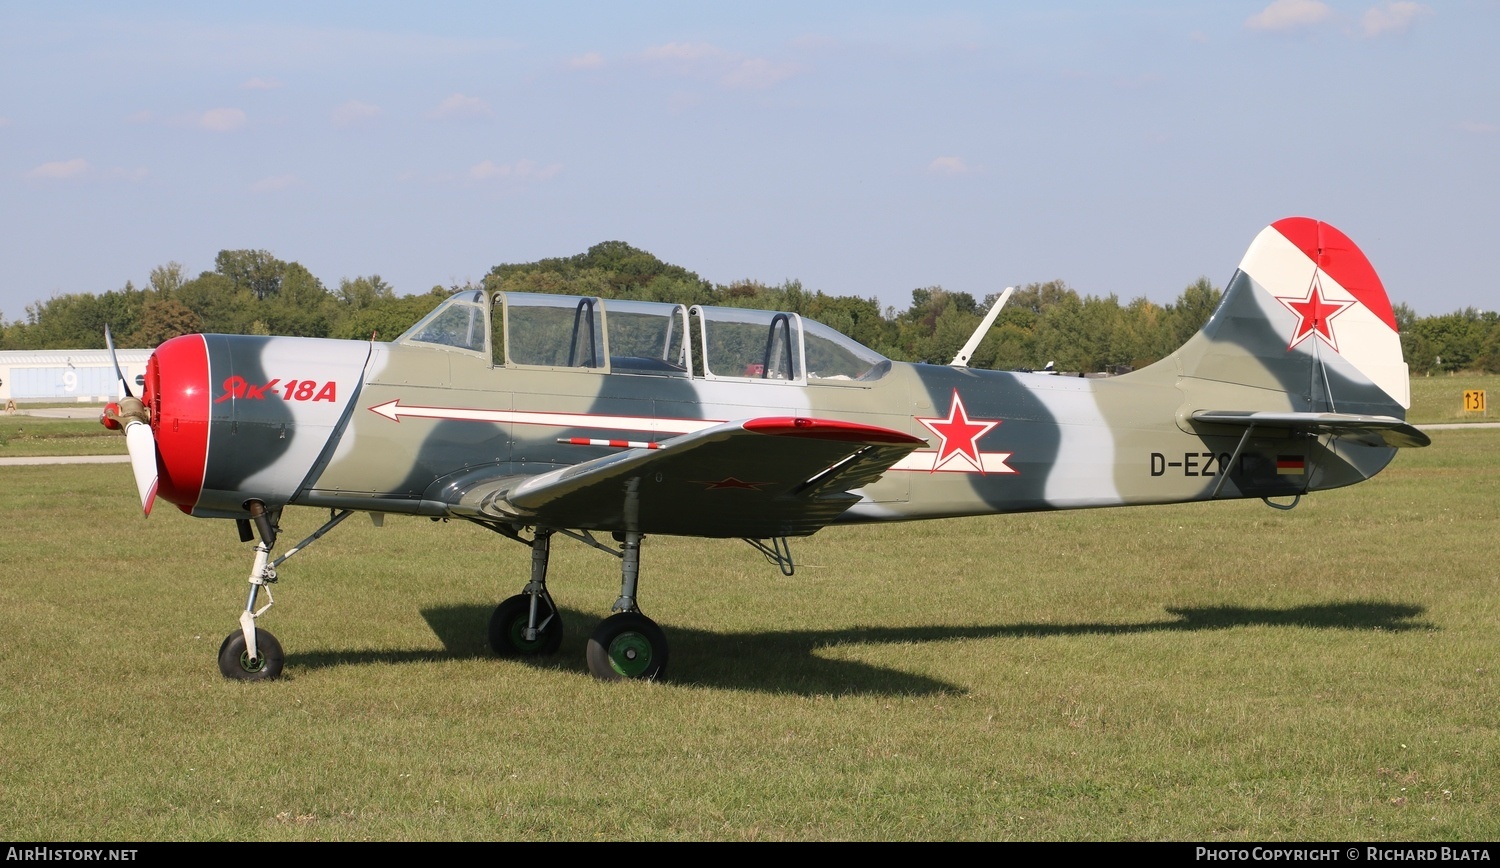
[{"x": 396, "y": 411}]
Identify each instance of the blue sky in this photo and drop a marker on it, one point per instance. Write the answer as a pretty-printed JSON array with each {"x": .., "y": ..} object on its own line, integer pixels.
[{"x": 863, "y": 148}]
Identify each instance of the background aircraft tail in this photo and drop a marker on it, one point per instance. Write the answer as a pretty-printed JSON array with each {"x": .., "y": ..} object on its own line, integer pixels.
[{"x": 1304, "y": 327}]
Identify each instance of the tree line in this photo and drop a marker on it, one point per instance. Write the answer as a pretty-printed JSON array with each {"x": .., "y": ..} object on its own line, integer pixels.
[{"x": 253, "y": 292}]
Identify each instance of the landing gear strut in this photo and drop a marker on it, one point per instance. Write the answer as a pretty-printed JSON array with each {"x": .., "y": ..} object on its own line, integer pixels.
[
  {"x": 250, "y": 653},
  {"x": 626, "y": 645},
  {"x": 529, "y": 623}
]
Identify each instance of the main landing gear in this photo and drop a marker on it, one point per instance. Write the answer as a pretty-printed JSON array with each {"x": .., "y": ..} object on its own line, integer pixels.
[
  {"x": 529, "y": 622},
  {"x": 626, "y": 645}
]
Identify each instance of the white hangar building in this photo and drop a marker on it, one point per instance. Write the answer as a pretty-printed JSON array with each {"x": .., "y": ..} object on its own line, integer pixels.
[{"x": 85, "y": 376}]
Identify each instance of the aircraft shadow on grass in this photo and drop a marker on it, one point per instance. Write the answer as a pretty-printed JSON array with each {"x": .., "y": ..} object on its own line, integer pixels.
[{"x": 789, "y": 661}]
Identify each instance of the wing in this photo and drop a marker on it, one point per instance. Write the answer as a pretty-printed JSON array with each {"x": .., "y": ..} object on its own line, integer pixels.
[
  {"x": 761, "y": 478},
  {"x": 1371, "y": 430}
]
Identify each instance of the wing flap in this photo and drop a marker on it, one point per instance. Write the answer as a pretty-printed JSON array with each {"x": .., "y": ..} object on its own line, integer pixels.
[
  {"x": 764, "y": 477},
  {"x": 1372, "y": 430}
]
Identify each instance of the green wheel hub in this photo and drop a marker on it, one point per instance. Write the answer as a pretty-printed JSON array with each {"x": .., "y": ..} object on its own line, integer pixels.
[
  {"x": 627, "y": 646},
  {"x": 518, "y": 636},
  {"x": 630, "y": 654}
]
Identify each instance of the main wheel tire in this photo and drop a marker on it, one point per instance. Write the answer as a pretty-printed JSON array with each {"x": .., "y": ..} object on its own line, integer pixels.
[
  {"x": 628, "y": 646},
  {"x": 508, "y": 628},
  {"x": 236, "y": 663}
]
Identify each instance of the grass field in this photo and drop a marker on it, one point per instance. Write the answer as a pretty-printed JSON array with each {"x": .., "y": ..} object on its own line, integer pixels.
[
  {"x": 1441, "y": 398},
  {"x": 1218, "y": 672},
  {"x": 25, "y": 436}
]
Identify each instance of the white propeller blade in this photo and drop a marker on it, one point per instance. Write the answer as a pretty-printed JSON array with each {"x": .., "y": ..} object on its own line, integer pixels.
[
  {"x": 139, "y": 441},
  {"x": 142, "y": 446},
  {"x": 122, "y": 388}
]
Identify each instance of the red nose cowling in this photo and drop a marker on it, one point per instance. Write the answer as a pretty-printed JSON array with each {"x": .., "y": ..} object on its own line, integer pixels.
[{"x": 177, "y": 393}]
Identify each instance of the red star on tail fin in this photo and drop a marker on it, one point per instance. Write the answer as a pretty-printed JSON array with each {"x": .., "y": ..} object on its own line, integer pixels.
[{"x": 1315, "y": 315}]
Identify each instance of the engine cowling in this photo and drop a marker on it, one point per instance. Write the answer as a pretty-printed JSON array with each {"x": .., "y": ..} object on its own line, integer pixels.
[
  {"x": 179, "y": 405},
  {"x": 245, "y": 417}
]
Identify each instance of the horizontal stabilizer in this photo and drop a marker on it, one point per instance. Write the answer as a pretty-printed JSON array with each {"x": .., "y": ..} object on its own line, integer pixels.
[{"x": 1373, "y": 430}]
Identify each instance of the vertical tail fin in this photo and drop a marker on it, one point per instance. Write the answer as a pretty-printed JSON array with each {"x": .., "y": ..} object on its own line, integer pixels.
[{"x": 1304, "y": 326}]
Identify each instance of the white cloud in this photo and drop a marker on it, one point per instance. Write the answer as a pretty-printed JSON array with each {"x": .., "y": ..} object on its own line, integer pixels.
[
  {"x": 460, "y": 106},
  {"x": 4, "y": 121},
  {"x": 1393, "y": 17},
  {"x": 79, "y": 168},
  {"x": 949, "y": 166},
  {"x": 488, "y": 169},
  {"x": 521, "y": 170},
  {"x": 1478, "y": 127},
  {"x": 274, "y": 183},
  {"x": 691, "y": 52},
  {"x": 729, "y": 69},
  {"x": 144, "y": 116},
  {"x": 261, "y": 84},
  {"x": 1283, "y": 15},
  {"x": 60, "y": 169},
  {"x": 592, "y": 60},
  {"x": 758, "y": 73},
  {"x": 354, "y": 112},
  {"x": 222, "y": 120}
]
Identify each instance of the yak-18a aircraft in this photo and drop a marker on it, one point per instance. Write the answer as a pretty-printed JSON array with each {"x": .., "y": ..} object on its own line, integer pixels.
[{"x": 534, "y": 415}]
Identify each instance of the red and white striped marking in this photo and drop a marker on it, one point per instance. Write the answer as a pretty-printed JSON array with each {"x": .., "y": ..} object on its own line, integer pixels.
[{"x": 617, "y": 444}]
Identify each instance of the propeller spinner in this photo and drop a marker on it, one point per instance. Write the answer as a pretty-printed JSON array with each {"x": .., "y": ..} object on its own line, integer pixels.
[{"x": 129, "y": 413}]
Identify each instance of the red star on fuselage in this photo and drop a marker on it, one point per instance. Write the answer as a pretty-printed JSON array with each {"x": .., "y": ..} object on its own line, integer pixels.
[
  {"x": 1314, "y": 315},
  {"x": 959, "y": 435}
]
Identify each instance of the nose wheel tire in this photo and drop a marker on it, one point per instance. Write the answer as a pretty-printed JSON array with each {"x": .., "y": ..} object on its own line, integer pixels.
[
  {"x": 508, "y": 628},
  {"x": 628, "y": 646},
  {"x": 236, "y": 663}
]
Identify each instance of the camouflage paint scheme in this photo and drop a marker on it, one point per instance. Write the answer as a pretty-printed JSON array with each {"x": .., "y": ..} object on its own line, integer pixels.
[
  {"x": 995, "y": 441},
  {"x": 1295, "y": 384}
]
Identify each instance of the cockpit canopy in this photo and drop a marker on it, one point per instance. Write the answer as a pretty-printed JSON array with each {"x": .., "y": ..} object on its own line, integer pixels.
[{"x": 530, "y": 330}]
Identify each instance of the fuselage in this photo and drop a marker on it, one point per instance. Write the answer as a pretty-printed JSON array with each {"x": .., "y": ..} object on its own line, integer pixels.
[{"x": 385, "y": 426}]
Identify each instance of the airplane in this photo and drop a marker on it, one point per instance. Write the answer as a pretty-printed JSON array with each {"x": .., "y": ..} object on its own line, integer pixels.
[{"x": 537, "y": 415}]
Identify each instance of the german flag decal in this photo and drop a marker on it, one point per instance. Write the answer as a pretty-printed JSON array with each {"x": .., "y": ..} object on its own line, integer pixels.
[{"x": 1290, "y": 465}]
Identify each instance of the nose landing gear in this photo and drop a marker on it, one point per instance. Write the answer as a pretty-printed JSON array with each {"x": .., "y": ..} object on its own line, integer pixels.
[{"x": 250, "y": 653}]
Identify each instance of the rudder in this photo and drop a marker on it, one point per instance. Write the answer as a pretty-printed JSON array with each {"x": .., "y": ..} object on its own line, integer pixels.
[{"x": 1305, "y": 325}]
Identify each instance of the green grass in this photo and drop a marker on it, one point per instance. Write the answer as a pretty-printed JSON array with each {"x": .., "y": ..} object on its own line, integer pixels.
[
  {"x": 27, "y": 436},
  {"x": 1219, "y": 672},
  {"x": 1441, "y": 398}
]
